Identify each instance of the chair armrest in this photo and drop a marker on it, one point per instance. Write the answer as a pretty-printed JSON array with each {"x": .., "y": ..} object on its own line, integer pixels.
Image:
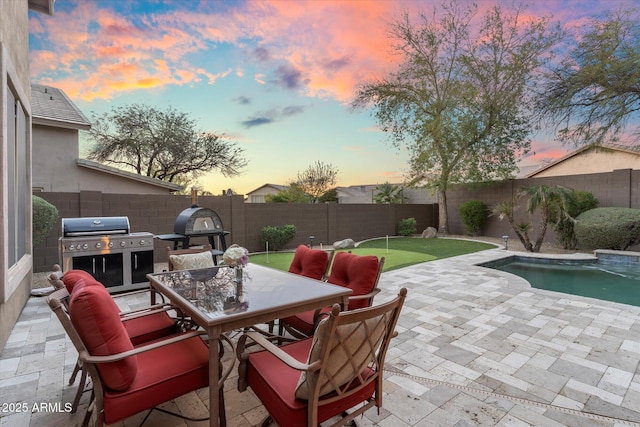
[
  {"x": 371, "y": 294},
  {"x": 275, "y": 350},
  {"x": 140, "y": 291},
  {"x": 146, "y": 311},
  {"x": 86, "y": 357}
]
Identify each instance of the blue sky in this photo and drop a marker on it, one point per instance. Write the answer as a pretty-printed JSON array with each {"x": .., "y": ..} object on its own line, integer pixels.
[{"x": 277, "y": 77}]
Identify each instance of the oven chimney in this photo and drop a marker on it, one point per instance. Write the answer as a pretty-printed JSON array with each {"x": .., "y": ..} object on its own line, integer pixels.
[{"x": 194, "y": 196}]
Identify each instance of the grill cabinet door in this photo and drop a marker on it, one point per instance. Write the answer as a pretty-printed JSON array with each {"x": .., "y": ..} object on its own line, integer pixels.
[
  {"x": 141, "y": 265},
  {"x": 107, "y": 269}
]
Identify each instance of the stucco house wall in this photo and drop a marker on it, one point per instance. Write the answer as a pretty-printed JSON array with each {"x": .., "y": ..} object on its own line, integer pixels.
[
  {"x": 56, "y": 127},
  {"x": 92, "y": 176},
  {"x": 56, "y": 168},
  {"x": 15, "y": 219},
  {"x": 55, "y": 151},
  {"x": 591, "y": 160}
]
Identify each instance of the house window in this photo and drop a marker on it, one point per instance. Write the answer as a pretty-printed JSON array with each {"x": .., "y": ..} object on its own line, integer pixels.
[
  {"x": 257, "y": 199},
  {"x": 17, "y": 179}
]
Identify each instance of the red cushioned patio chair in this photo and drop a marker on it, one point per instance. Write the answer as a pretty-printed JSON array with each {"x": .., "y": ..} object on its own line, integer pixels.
[
  {"x": 313, "y": 263},
  {"x": 127, "y": 379},
  {"x": 142, "y": 325},
  {"x": 360, "y": 273},
  {"x": 316, "y": 379}
]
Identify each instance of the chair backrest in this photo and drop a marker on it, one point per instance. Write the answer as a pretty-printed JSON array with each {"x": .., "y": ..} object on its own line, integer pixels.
[
  {"x": 350, "y": 347},
  {"x": 96, "y": 317},
  {"x": 92, "y": 320},
  {"x": 360, "y": 273},
  {"x": 58, "y": 301},
  {"x": 313, "y": 263},
  {"x": 58, "y": 279},
  {"x": 191, "y": 258}
]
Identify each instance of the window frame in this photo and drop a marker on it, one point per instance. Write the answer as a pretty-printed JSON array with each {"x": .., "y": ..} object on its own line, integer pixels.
[{"x": 18, "y": 269}]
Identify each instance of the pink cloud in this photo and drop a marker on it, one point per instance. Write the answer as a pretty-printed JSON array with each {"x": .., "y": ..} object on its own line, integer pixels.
[
  {"x": 109, "y": 54},
  {"x": 332, "y": 45},
  {"x": 346, "y": 44}
]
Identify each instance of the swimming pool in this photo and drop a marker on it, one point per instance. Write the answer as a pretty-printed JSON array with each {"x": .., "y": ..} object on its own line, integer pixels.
[{"x": 603, "y": 279}]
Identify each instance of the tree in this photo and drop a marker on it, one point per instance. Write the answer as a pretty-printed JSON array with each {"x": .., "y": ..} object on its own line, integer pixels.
[
  {"x": 161, "y": 144},
  {"x": 542, "y": 197},
  {"x": 595, "y": 90},
  {"x": 459, "y": 100},
  {"x": 580, "y": 201},
  {"x": 316, "y": 179},
  {"x": 294, "y": 193},
  {"x": 388, "y": 193}
]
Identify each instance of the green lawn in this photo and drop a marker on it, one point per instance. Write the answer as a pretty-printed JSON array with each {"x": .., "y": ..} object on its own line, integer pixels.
[{"x": 402, "y": 252}]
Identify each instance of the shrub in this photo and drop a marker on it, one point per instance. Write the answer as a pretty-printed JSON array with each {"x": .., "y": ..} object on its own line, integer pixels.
[
  {"x": 474, "y": 213},
  {"x": 581, "y": 201},
  {"x": 278, "y": 237},
  {"x": 407, "y": 227},
  {"x": 45, "y": 216},
  {"x": 608, "y": 228},
  {"x": 330, "y": 196}
]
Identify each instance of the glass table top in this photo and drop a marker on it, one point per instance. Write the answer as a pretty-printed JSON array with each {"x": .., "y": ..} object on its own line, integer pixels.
[{"x": 216, "y": 293}]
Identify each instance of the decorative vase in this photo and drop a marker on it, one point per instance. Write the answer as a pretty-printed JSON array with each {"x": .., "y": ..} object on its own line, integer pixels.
[
  {"x": 238, "y": 274},
  {"x": 238, "y": 279}
]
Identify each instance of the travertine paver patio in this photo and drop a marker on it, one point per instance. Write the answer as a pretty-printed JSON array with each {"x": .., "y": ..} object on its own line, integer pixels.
[{"x": 475, "y": 347}]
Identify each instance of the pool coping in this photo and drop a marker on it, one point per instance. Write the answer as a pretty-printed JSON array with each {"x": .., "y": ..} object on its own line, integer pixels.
[
  {"x": 606, "y": 256},
  {"x": 498, "y": 257}
]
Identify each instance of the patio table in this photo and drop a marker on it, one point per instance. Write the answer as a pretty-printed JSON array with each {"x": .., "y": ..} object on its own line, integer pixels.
[{"x": 217, "y": 303}]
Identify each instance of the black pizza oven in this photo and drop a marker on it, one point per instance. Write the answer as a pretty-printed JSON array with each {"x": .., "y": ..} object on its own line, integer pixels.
[
  {"x": 195, "y": 221},
  {"x": 106, "y": 248}
]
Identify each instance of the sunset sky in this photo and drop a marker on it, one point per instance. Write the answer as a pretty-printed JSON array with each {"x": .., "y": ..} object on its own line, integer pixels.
[{"x": 277, "y": 77}]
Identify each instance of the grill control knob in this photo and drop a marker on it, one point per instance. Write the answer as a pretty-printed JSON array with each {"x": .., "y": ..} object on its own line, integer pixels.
[
  {"x": 123, "y": 244},
  {"x": 85, "y": 246},
  {"x": 142, "y": 242},
  {"x": 110, "y": 244},
  {"x": 98, "y": 245},
  {"x": 72, "y": 247}
]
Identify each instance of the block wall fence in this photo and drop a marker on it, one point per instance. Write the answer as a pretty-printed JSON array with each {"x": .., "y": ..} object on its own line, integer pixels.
[
  {"x": 326, "y": 222},
  {"x": 157, "y": 214}
]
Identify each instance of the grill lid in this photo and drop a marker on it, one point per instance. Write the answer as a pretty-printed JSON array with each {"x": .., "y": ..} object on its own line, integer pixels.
[
  {"x": 196, "y": 220},
  {"x": 89, "y": 226}
]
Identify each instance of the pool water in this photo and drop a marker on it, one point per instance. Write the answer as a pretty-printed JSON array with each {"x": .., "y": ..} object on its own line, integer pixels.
[{"x": 616, "y": 283}]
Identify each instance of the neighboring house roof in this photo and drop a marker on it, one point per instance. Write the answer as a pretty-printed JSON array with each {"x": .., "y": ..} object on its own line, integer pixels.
[
  {"x": 354, "y": 190},
  {"x": 524, "y": 171},
  {"x": 129, "y": 175},
  {"x": 635, "y": 150},
  {"x": 275, "y": 187},
  {"x": 51, "y": 107},
  {"x": 365, "y": 188}
]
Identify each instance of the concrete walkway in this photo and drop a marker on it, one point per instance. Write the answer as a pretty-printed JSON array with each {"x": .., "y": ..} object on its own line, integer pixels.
[{"x": 475, "y": 347}]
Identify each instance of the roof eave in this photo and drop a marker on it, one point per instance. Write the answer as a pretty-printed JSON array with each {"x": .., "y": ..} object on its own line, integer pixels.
[
  {"x": 39, "y": 120},
  {"x": 42, "y": 6},
  {"x": 129, "y": 175}
]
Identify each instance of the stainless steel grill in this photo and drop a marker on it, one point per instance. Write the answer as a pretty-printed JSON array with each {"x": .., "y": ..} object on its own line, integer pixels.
[{"x": 106, "y": 248}]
